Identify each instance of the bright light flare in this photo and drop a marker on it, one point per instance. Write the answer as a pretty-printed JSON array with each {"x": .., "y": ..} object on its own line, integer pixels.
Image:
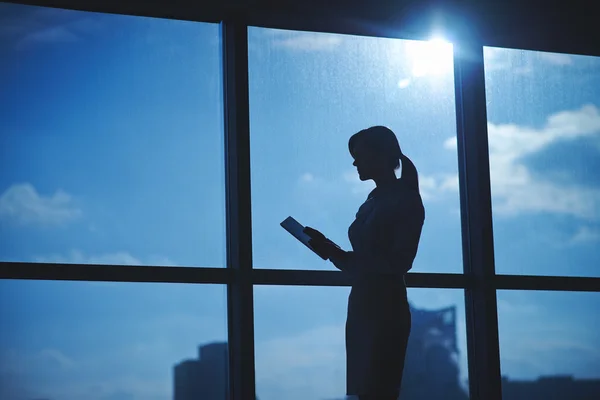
[{"x": 432, "y": 57}]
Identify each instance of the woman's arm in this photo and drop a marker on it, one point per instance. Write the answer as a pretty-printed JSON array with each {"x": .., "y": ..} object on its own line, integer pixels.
[
  {"x": 402, "y": 234},
  {"x": 349, "y": 261},
  {"x": 341, "y": 259}
]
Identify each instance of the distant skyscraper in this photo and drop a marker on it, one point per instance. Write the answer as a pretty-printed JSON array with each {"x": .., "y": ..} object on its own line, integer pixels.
[
  {"x": 431, "y": 368},
  {"x": 551, "y": 387},
  {"x": 204, "y": 378}
]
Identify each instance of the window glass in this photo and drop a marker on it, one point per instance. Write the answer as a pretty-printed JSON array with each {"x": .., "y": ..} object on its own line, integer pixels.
[
  {"x": 101, "y": 341},
  {"x": 544, "y": 140},
  {"x": 309, "y": 92},
  {"x": 300, "y": 346},
  {"x": 549, "y": 344},
  {"x": 111, "y": 149}
]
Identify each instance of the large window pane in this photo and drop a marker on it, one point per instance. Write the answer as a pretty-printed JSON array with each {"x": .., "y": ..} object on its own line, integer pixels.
[
  {"x": 111, "y": 149},
  {"x": 309, "y": 92},
  {"x": 101, "y": 341},
  {"x": 300, "y": 349},
  {"x": 544, "y": 140},
  {"x": 549, "y": 345}
]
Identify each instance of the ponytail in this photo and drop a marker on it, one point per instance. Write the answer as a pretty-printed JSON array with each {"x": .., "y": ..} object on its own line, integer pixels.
[
  {"x": 409, "y": 173},
  {"x": 383, "y": 140}
]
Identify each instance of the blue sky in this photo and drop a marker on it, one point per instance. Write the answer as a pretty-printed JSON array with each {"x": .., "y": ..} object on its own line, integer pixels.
[{"x": 111, "y": 152}]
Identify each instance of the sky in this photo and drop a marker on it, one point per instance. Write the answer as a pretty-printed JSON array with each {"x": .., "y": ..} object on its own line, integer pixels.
[{"x": 111, "y": 152}]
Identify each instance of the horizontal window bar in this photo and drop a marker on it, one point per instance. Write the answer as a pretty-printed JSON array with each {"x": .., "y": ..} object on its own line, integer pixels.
[
  {"x": 562, "y": 283},
  {"x": 442, "y": 281},
  {"x": 121, "y": 273},
  {"x": 299, "y": 277},
  {"x": 113, "y": 273},
  {"x": 335, "y": 278}
]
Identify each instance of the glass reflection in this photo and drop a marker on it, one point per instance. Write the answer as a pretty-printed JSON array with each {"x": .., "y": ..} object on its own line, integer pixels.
[
  {"x": 309, "y": 92},
  {"x": 544, "y": 128},
  {"x": 111, "y": 341},
  {"x": 112, "y": 146},
  {"x": 300, "y": 351},
  {"x": 549, "y": 346}
]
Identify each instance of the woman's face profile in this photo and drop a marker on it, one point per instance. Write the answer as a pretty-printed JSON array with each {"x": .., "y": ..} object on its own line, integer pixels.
[{"x": 366, "y": 161}]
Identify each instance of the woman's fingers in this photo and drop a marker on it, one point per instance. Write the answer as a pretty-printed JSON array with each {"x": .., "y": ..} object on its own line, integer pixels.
[
  {"x": 313, "y": 233},
  {"x": 330, "y": 243}
]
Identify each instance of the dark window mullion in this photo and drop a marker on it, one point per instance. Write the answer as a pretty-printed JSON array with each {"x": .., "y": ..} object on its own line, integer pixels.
[
  {"x": 239, "y": 228},
  {"x": 476, "y": 209},
  {"x": 559, "y": 283},
  {"x": 113, "y": 273},
  {"x": 336, "y": 278}
]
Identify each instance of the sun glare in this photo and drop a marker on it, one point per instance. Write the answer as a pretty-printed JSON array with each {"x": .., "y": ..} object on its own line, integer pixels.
[{"x": 433, "y": 57}]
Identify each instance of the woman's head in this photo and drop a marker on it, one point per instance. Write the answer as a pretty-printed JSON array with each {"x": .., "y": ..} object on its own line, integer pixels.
[{"x": 377, "y": 153}]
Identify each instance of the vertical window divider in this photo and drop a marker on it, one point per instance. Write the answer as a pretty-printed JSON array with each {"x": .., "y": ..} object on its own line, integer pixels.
[
  {"x": 234, "y": 36},
  {"x": 476, "y": 217}
]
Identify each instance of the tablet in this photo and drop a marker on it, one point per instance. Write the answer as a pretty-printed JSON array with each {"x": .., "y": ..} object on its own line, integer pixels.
[{"x": 296, "y": 229}]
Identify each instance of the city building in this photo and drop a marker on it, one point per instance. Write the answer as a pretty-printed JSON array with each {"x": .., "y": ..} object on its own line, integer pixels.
[
  {"x": 203, "y": 378},
  {"x": 431, "y": 368},
  {"x": 551, "y": 387}
]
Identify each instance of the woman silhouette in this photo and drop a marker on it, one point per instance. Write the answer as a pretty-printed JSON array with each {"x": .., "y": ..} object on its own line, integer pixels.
[{"x": 385, "y": 237}]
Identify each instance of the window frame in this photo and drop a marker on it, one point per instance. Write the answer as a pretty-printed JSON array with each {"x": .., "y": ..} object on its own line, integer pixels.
[{"x": 479, "y": 279}]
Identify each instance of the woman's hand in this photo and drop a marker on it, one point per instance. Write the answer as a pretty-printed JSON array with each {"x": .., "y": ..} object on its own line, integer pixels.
[
  {"x": 314, "y": 234},
  {"x": 322, "y": 245}
]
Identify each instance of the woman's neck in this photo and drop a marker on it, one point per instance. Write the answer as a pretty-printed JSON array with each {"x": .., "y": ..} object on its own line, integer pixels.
[{"x": 385, "y": 180}]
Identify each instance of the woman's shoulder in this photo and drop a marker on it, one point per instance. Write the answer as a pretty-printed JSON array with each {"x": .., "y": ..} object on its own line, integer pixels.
[
  {"x": 406, "y": 193},
  {"x": 396, "y": 200},
  {"x": 407, "y": 200}
]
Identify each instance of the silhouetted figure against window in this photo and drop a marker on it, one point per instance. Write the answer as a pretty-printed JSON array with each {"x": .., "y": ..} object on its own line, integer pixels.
[{"x": 384, "y": 237}]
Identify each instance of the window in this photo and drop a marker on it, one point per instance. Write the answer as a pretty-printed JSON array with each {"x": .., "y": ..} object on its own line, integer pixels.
[
  {"x": 549, "y": 346},
  {"x": 300, "y": 348},
  {"x": 112, "y": 152},
  {"x": 75, "y": 340},
  {"x": 309, "y": 92},
  {"x": 544, "y": 135}
]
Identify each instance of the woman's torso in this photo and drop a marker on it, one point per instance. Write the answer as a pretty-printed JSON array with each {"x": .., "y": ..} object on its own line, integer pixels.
[{"x": 388, "y": 224}]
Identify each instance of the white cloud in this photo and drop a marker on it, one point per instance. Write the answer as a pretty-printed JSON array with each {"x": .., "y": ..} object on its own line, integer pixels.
[
  {"x": 22, "y": 203},
  {"x": 557, "y": 58},
  {"x": 449, "y": 183},
  {"x": 496, "y": 59},
  {"x": 116, "y": 258},
  {"x": 305, "y": 41},
  {"x": 138, "y": 366},
  {"x": 515, "y": 189},
  {"x": 535, "y": 355},
  {"x": 431, "y": 186},
  {"x": 525, "y": 69},
  {"x": 522, "y": 61},
  {"x": 514, "y": 308},
  {"x": 553, "y": 344},
  {"x": 128, "y": 387},
  {"x": 13, "y": 362},
  {"x": 57, "y": 357},
  {"x": 310, "y": 364},
  {"x": 450, "y": 143},
  {"x": 307, "y": 177},
  {"x": 428, "y": 186},
  {"x": 25, "y": 26},
  {"x": 53, "y": 34},
  {"x": 358, "y": 187},
  {"x": 586, "y": 234},
  {"x": 403, "y": 83}
]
